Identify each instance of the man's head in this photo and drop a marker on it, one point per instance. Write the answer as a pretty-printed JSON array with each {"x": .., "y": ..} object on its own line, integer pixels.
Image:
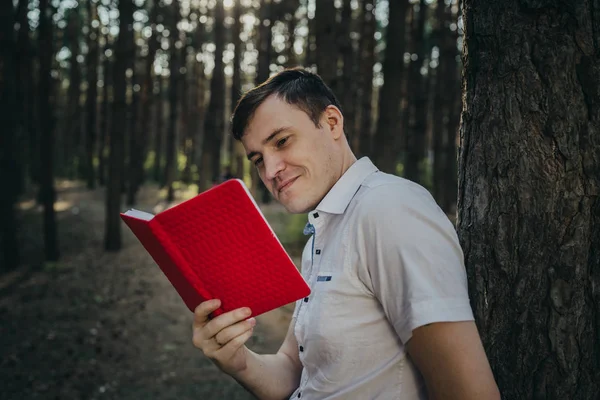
[{"x": 292, "y": 129}]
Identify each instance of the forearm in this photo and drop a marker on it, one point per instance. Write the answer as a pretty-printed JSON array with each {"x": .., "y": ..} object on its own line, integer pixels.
[{"x": 269, "y": 376}]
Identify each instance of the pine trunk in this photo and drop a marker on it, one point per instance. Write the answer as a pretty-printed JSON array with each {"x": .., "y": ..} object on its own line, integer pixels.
[
  {"x": 325, "y": 37},
  {"x": 529, "y": 181},
  {"x": 92, "y": 94},
  {"x": 46, "y": 129},
  {"x": 367, "y": 60},
  {"x": 388, "y": 135},
  {"x": 348, "y": 88},
  {"x": 123, "y": 49},
  {"x": 105, "y": 113},
  {"x": 265, "y": 34},
  {"x": 72, "y": 133},
  {"x": 159, "y": 133},
  {"x": 174, "y": 65},
  {"x": 416, "y": 139},
  {"x": 9, "y": 251}
]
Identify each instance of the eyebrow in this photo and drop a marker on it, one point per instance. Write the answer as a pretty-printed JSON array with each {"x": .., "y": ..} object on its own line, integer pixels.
[{"x": 268, "y": 139}]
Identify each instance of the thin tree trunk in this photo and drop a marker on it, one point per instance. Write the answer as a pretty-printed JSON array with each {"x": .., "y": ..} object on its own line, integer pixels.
[
  {"x": 112, "y": 238},
  {"x": 105, "y": 114},
  {"x": 388, "y": 135},
  {"x": 159, "y": 133},
  {"x": 265, "y": 35},
  {"x": 46, "y": 129},
  {"x": 367, "y": 59},
  {"x": 9, "y": 254},
  {"x": 92, "y": 94},
  {"x": 174, "y": 64},
  {"x": 72, "y": 133},
  {"x": 325, "y": 36},
  {"x": 310, "y": 44},
  {"x": 529, "y": 186},
  {"x": 416, "y": 139},
  {"x": 348, "y": 88},
  {"x": 291, "y": 22},
  {"x": 236, "y": 149}
]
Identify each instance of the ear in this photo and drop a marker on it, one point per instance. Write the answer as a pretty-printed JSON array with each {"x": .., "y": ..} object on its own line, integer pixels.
[{"x": 334, "y": 121}]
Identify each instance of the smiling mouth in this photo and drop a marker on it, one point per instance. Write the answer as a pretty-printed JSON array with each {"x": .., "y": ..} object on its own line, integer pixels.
[{"x": 287, "y": 185}]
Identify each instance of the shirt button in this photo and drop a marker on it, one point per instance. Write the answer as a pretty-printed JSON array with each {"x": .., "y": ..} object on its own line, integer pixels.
[
  {"x": 318, "y": 251},
  {"x": 299, "y": 394},
  {"x": 306, "y": 299},
  {"x": 301, "y": 348}
]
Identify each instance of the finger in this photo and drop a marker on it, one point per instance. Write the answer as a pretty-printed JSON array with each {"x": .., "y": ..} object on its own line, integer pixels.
[
  {"x": 227, "y": 351},
  {"x": 233, "y": 331},
  {"x": 221, "y": 322},
  {"x": 202, "y": 312}
]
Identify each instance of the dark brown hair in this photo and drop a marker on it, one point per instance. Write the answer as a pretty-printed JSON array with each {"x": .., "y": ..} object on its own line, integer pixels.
[{"x": 296, "y": 86}]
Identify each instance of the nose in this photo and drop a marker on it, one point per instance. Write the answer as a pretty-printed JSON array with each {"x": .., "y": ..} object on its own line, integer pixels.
[{"x": 273, "y": 165}]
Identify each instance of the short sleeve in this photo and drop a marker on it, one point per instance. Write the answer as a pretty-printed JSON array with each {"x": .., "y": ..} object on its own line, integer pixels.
[{"x": 410, "y": 258}]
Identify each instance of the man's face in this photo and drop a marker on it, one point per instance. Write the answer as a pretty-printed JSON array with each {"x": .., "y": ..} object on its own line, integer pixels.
[{"x": 297, "y": 161}]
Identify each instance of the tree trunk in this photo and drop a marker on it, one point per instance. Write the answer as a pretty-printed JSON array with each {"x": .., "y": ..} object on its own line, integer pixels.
[
  {"x": 367, "y": 59},
  {"x": 72, "y": 133},
  {"x": 388, "y": 135},
  {"x": 529, "y": 181},
  {"x": 325, "y": 37},
  {"x": 159, "y": 133},
  {"x": 46, "y": 129},
  {"x": 136, "y": 157},
  {"x": 9, "y": 254},
  {"x": 92, "y": 94},
  {"x": 105, "y": 113},
  {"x": 348, "y": 88},
  {"x": 123, "y": 49},
  {"x": 291, "y": 22},
  {"x": 28, "y": 145},
  {"x": 236, "y": 148},
  {"x": 416, "y": 139},
  {"x": 310, "y": 49},
  {"x": 265, "y": 34},
  {"x": 174, "y": 65}
]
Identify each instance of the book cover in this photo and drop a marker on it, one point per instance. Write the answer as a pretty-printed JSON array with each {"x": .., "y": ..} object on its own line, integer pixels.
[{"x": 219, "y": 245}]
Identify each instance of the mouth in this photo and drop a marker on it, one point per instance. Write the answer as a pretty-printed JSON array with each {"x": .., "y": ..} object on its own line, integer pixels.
[{"x": 285, "y": 185}]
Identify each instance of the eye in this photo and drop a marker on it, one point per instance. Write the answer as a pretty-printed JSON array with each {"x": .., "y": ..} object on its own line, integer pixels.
[
  {"x": 281, "y": 142},
  {"x": 258, "y": 161}
]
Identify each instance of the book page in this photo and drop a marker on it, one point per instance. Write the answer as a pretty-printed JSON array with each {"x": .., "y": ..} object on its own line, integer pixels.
[{"x": 139, "y": 214}]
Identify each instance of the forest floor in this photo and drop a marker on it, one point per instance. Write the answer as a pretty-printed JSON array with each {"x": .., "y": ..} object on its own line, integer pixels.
[{"x": 99, "y": 325}]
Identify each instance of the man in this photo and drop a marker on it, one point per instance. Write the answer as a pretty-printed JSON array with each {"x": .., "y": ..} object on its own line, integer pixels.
[{"x": 388, "y": 316}]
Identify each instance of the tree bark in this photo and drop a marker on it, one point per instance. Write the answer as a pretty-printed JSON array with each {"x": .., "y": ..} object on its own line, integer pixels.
[
  {"x": 112, "y": 238},
  {"x": 529, "y": 181},
  {"x": 388, "y": 135},
  {"x": 9, "y": 254},
  {"x": 236, "y": 148},
  {"x": 72, "y": 133},
  {"x": 92, "y": 94},
  {"x": 105, "y": 113},
  {"x": 348, "y": 89},
  {"x": 46, "y": 129},
  {"x": 174, "y": 65},
  {"x": 265, "y": 35},
  {"x": 159, "y": 134}
]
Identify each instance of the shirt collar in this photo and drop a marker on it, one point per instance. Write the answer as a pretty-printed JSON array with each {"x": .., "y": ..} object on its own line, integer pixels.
[{"x": 339, "y": 196}]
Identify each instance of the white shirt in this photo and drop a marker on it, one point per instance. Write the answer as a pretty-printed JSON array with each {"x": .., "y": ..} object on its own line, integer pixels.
[{"x": 384, "y": 259}]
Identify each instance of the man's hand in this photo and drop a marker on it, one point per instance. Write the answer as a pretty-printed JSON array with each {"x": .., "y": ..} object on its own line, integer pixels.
[{"x": 222, "y": 339}]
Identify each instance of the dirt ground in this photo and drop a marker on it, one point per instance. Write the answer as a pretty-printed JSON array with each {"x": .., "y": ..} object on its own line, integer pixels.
[{"x": 100, "y": 325}]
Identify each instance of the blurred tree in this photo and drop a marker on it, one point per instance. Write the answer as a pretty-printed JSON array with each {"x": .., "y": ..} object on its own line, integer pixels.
[
  {"x": 9, "y": 250},
  {"x": 46, "y": 129},
  {"x": 236, "y": 149},
  {"x": 71, "y": 136},
  {"x": 29, "y": 144},
  {"x": 348, "y": 87},
  {"x": 417, "y": 113},
  {"x": 529, "y": 185},
  {"x": 123, "y": 51},
  {"x": 388, "y": 134},
  {"x": 105, "y": 108},
  {"x": 92, "y": 93},
  {"x": 367, "y": 58},
  {"x": 215, "y": 125},
  {"x": 174, "y": 78},
  {"x": 265, "y": 35},
  {"x": 325, "y": 37},
  {"x": 159, "y": 132}
]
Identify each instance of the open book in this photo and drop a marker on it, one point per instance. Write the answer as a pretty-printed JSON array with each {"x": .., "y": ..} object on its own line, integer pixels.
[{"x": 219, "y": 245}]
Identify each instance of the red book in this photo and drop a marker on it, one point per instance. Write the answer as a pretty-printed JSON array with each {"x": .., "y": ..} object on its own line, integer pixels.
[{"x": 218, "y": 245}]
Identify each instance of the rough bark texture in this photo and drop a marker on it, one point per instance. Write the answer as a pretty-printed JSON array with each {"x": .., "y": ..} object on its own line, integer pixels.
[
  {"x": 529, "y": 214},
  {"x": 105, "y": 113},
  {"x": 388, "y": 135},
  {"x": 9, "y": 253},
  {"x": 71, "y": 137},
  {"x": 112, "y": 238},
  {"x": 46, "y": 129}
]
